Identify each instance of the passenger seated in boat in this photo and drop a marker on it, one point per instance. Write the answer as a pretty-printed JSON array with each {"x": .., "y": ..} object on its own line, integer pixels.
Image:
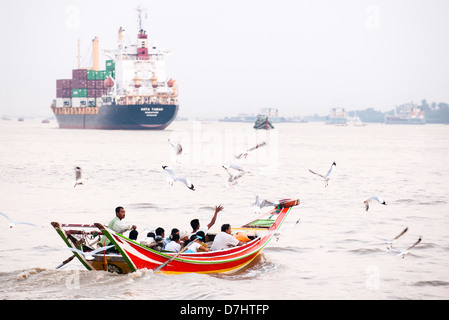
[
  {"x": 117, "y": 225},
  {"x": 160, "y": 232},
  {"x": 202, "y": 240},
  {"x": 195, "y": 223},
  {"x": 149, "y": 241},
  {"x": 225, "y": 239},
  {"x": 196, "y": 246},
  {"x": 173, "y": 231},
  {"x": 174, "y": 245}
]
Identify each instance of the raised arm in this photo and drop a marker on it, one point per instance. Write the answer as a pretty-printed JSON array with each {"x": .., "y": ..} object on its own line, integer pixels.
[{"x": 214, "y": 218}]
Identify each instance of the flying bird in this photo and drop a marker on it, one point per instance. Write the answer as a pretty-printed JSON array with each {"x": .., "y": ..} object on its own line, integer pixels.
[
  {"x": 89, "y": 255},
  {"x": 176, "y": 148},
  {"x": 375, "y": 198},
  {"x": 172, "y": 178},
  {"x": 245, "y": 154},
  {"x": 234, "y": 176},
  {"x": 259, "y": 204},
  {"x": 13, "y": 223},
  {"x": 279, "y": 232},
  {"x": 391, "y": 241},
  {"x": 402, "y": 252},
  {"x": 328, "y": 174},
  {"x": 78, "y": 177}
]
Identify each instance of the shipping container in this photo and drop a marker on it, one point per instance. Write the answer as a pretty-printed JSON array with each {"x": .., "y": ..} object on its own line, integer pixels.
[
  {"x": 110, "y": 74},
  {"x": 79, "y": 84},
  {"x": 110, "y": 65},
  {"x": 91, "y": 102},
  {"x": 63, "y": 93},
  {"x": 91, "y": 84},
  {"x": 79, "y": 93},
  {"x": 64, "y": 84},
  {"x": 79, "y": 74},
  {"x": 67, "y": 84},
  {"x": 101, "y": 75},
  {"x": 67, "y": 102},
  {"x": 59, "y": 102},
  {"x": 79, "y": 102},
  {"x": 91, "y": 74},
  {"x": 99, "y": 84}
]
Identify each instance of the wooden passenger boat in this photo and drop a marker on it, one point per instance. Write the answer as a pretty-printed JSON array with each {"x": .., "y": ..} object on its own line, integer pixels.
[{"x": 132, "y": 255}]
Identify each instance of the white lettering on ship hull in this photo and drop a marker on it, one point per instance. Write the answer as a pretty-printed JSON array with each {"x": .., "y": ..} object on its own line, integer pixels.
[{"x": 151, "y": 112}]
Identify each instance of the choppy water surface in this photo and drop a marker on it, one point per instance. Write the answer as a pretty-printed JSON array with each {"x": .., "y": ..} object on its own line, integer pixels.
[{"x": 333, "y": 253}]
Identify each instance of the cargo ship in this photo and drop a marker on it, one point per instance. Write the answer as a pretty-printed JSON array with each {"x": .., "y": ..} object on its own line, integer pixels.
[
  {"x": 132, "y": 92},
  {"x": 406, "y": 114},
  {"x": 338, "y": 117}
]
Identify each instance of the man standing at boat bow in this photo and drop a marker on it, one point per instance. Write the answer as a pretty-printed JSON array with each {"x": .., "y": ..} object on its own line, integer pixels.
[{"x": 117, "y": 225}]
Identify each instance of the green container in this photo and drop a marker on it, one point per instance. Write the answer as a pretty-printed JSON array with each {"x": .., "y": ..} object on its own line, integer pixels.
[
  {"x": 100, "y": 75},
  {"x": 110, "y": 73},
  {"x": 110, "y": 65},
  {"x": 79, "y": 93},
  {"x": 91, "y": 75}
]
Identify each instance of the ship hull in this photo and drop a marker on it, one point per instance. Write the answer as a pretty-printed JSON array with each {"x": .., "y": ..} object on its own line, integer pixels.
[{"x": 119, "y": 117}]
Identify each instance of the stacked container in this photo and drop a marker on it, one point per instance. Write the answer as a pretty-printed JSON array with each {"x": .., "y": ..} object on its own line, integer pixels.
[{"x": 85, "y": 88}]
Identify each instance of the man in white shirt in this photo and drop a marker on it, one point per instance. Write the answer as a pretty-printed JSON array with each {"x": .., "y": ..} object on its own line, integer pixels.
[{"x": 225, "y": 240}]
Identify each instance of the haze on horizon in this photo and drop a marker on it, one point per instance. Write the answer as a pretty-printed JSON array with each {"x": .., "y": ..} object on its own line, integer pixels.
[{"x": 238, "y": 56}]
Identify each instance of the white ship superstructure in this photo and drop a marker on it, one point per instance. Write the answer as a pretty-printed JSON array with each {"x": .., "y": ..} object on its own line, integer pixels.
[{"x": 140, "y": 72}]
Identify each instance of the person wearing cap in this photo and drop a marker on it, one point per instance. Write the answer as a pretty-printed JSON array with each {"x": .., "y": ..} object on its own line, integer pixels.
[{"x": 195, "y": 223}]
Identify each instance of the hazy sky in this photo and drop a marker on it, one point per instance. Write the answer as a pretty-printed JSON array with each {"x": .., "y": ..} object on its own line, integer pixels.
[{"x": 229, "y": 57}]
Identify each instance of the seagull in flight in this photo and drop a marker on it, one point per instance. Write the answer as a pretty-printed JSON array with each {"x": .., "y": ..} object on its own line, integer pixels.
[
  {"x": 402, "y": 252},
  {"x": 13, "y": 223},
  {"x": 391, "y": 241},
  {"x": 78, "y": 177},
  {"x": 259, "y": 204},
  {"x": 172, "y": 178},
  {"x": 177, "y": 149},
  {"x": 90, "y": 254},
  {"x": 234, "y": 176},
  {"x": 245, "y": 154},
  {"x": 279, "y": 232},
  {"x": 328, "y": 174},
  {"x": 375, "y": 198}
]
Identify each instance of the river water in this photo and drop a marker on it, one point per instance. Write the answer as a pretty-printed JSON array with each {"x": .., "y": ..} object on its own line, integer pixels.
[{"x": 333, "y": 253}]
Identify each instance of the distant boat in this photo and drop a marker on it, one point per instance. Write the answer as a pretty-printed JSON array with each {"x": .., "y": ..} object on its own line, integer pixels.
[
  {"x": 406, "y": 114},
  {"x": 337, "y": 116},
  {"x": 262, "y": 122},
  {"x": 20, "y": 119},
  {"x": 45, "y": 121},
  {"x": 355, "y": 121},
  {"x": 5, "y": 118}
]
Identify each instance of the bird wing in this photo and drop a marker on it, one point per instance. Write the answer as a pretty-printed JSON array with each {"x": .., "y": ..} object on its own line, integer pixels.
[
  {"x": 329, "y": 172},
  {"x": 399, "y": 235},
  {"x": 170, "y": 171},
  {"x": 27, "y": 223},
  {"x": 257, "y": 146},
  {"x": 419, "y": 240},
  {"x": 266, "y": 203},
  {"x": 234, "y": 166},
  {"x": 317, "y": 174},
  {"x": 101, "y": 249},
  {"x": 6, "y": 216}
]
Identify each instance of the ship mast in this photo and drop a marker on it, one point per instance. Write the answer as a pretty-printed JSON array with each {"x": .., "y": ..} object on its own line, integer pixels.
[{"x": 140, "y": 10}]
